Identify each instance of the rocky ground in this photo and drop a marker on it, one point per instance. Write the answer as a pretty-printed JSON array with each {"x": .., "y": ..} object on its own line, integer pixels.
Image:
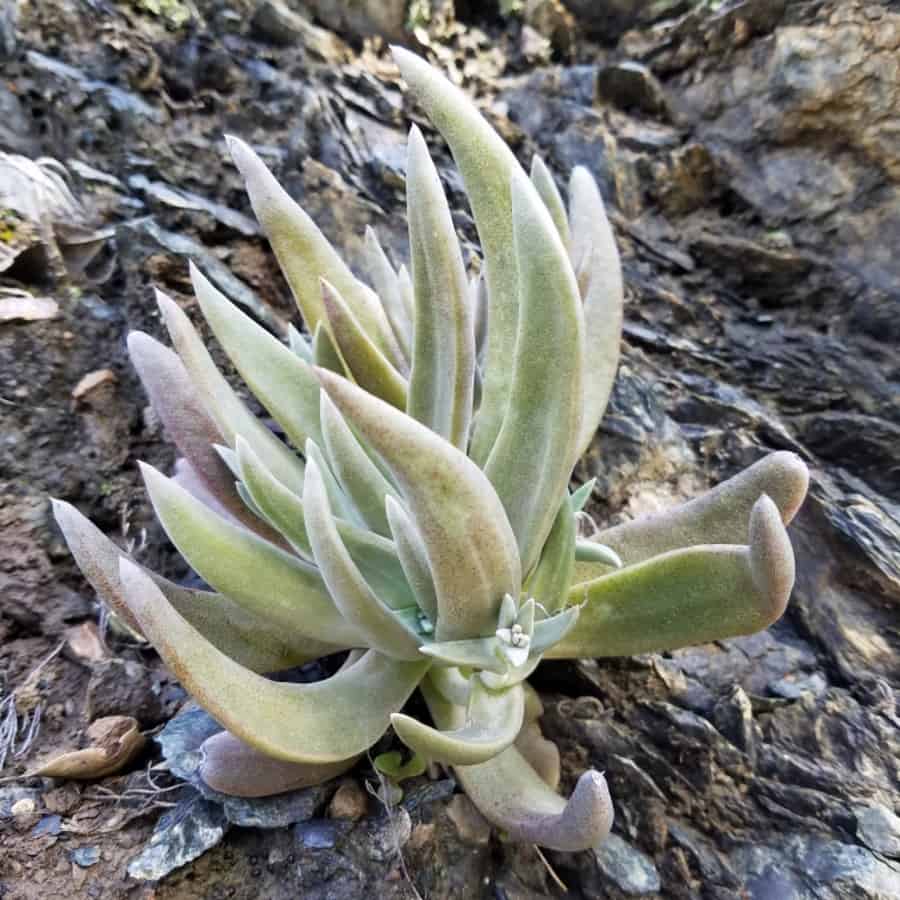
[{"x": 750, "y": 152}]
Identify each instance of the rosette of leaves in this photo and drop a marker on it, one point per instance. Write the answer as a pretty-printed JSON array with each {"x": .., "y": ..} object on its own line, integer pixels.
[{"x": 418, "y": 513}]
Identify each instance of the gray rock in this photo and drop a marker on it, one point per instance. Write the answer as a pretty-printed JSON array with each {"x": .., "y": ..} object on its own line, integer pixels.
[
  {"x": 631, "y": 86},
  {"x": 631, "y": 871},
  {"x": 879, "y": 829},
  {"x": 180, "y": 741},
  {"x": 189, "y": 830},
  {"x": 85, "y": 857}
]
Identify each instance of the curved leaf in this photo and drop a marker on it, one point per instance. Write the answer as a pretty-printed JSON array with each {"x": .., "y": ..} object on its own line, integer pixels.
[
  {"x": 720, "y": 516},
  {"x": 387, "y": 286},
  {"x": 354, "y": 598},
  {"x": 684, "y": 597},
  {"x": 244, "y": 638},
  {"x": 511, "y": 795},
  {"x": 486, "y": 165},
  {"x": 603, "y": 300},
  {"x": 322, "y": 722},
  {"x": 550, "y": 581},
  {"x": 493, "y": 720},
  {"x": 359, "y": 477},
  {"x": 471, "y": 548},
  {"x": 443, "y": 353},
  {"x": 375, "y": 556},
  {"x": 233, "y": 767},
  {"x": 544, "y": 184},
  {"x": 360, "y": 356},
  {"x": 303, "y": 252},
  {"x": 532, "y": 458},
  {"x": 229, "y": 412},
  {"x": 413, "y": 558},
  {"x": 267, "y": 582},
  {"x": 279, "y": 379}
]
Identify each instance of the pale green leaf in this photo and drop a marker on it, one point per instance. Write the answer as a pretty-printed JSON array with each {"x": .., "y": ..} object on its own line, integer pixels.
[
  {"x": 471, "y": 548},
  {"x": 511, "y": 795},
  {"x": 486, "y": 165},
  {"x": 532, "y": 458},
  {"x": 368, "y": 366},
  {"x": 602, "y": 301},
  {"x": 543, "y": 182},
  {"x": 413, "y": 558},
  {"x": 303, "y": 252},
  {"x": 280, "y": 380},
  {"x": 352, "y": 595},
  {"x": 688, "y": 596},
  {"x": 443, "y": 352},
  {"x": 359, "y": 477},
  {"x": 493, "y": 719},
  {"x": 246, "y": 639},
  {"x": 231, "y": 415},
  {"x": 267, "y": 582},
  {"x": 720, "y": 516},
  {"x": 322, "y": 722}
]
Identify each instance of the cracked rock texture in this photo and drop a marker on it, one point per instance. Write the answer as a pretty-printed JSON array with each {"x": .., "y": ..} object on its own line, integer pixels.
[{"x": 750, "y": 156}]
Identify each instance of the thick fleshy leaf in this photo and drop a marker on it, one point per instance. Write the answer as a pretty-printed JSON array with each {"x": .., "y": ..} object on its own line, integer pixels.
[
  {"x": 360, "y": 356},
  {"x": 231, "y": 629},
  {"x": 720, "y": 516},
  {"x": 486, "y": 165},
  {"x": 493, "y": 720},
  {"x": 550, "y": 581},
  {"x": 356, "y": 601},
  {"x": 549, "y": 192},
  {"x": 280, "y": 380},
  {"x": 375, "y": 556},
  {"x": 387, "y": 286},
  {"x": 443, "y": 351},
  {"x": 581, "y": 496},
  {"x": 303, "y": 252},
  {"x": 300, "y": 344},
  {"x": 542, "y": 755},
  {"x": 359, "y": 477},
  {"x": 471, "y": 548},
  {"x": 187, "y": 423},
  {"x": 233, "y": 767},
  {"x": 267, "y": 582},
  {"x": 324, "y": 352},
  {"x": 509, "y": 793},
  {"x": 323, "y": 722},
  {"x": 475, "y": 653},
  {"x": 532, "y": 458},
  {"x": 592, "y": 552},
  {"x": 231, "y": 415},
  {"x": 602, "y": 301},
  {"x": 689, "y": 596},
  {"x": 553, "y": 629},
  {"x": 340, "y": 502},
  {"x": 413, "y": 558}
]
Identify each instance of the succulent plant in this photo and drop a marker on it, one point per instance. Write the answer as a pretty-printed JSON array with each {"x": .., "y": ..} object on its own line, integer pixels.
[{"x": 418, "y": 512}]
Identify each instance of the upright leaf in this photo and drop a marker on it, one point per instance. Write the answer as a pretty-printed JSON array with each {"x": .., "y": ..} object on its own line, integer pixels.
[
  {"x": 602, "y": 302},
  {"x": 443, "y": 357},
  {"x": 229, "y": 412},
  {"x": 303, "y": 252},
  {"x": 487, "y": 166},
  {"x": 358, "y": 604},
  {"x": 471, "y": 548},
  {"x": 532, "y": 458},
  {"x": 280, "y": 380}
]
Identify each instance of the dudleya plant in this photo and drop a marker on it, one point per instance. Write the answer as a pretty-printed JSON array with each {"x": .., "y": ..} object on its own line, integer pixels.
[{"x": 418, "y": 513}]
